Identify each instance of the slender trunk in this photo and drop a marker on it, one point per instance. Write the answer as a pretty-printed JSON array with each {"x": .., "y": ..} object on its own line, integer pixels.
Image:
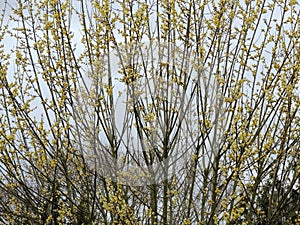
[
  {"x": 165, "y": 195},
  {"x": 153, "y": 203}
]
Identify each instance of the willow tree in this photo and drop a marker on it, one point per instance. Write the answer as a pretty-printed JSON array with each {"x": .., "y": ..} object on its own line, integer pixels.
[{"x": 149, "y": 112}]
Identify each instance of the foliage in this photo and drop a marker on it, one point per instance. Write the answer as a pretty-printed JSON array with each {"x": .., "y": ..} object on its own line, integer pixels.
[{"x": 100, "y": 98}]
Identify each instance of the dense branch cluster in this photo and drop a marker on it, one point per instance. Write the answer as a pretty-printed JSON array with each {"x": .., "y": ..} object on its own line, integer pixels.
[{"x": 150, "y": 112}]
